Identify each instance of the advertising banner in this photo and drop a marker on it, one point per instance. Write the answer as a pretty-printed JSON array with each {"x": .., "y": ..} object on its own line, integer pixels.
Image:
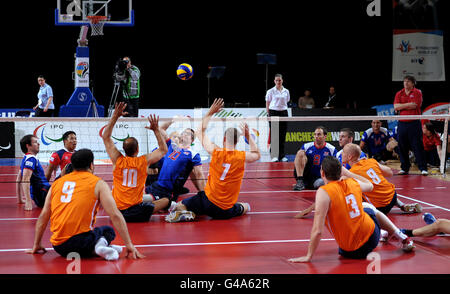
[{"x": 419, "y": 53}]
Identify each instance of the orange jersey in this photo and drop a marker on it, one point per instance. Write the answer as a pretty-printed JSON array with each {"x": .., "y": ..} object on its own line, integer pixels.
[
  {"x": 129, "y": 177},
  {"x": 383, "y": 191},
  {"x": 226, "y": 171},
  {"x": 346, "y": 219},
  {"x": 74, "y": 205}
]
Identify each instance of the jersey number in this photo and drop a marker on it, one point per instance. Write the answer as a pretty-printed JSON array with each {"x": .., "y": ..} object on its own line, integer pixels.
[
  {"x": 354, "y": 212},
  {"x": 130, "y": 177},
  {"x": 373, "y": 175},
  {"x": 67, "y": 191},
  {"x": 225, "y": 171},
  {"x": 174, "y": 155}
]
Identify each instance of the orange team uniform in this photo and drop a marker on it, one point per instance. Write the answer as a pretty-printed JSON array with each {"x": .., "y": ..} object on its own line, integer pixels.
[
  {"x": 129, "y": 177},
  {"x": 383, "y": 191},
  {"x": 74, "y": 205},
  {"x": 226, "y": 171},
  {"x": 350, "y": 225}
]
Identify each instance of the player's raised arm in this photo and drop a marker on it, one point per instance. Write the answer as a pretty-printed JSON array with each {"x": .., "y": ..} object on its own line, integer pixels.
[
  {"x": 111, "y": 148},
  {"x": 254, "y": 154},
  {"x": 162, "y": 150},
  {"x": 201, "y": 131}
]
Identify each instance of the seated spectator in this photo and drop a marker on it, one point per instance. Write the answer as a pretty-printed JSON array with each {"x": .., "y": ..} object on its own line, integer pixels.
[
  {"x": 432, "y": 144},
  {"x": 374, "y": 142},
  {"x": 306, "y": 102}
]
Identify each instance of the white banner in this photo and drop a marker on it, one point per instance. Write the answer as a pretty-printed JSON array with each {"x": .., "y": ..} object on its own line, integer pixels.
[
  {"x": 419, "y": 53},
  {"x": 89, "y": 135}
]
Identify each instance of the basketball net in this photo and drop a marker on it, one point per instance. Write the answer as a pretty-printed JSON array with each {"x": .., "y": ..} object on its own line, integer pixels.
[{"x": 97, "y": 22}]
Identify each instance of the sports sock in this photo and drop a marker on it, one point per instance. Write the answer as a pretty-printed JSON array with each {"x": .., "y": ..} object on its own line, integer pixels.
[
  {"x": 400, "y": 235},
  {"x": 117, "y": 248},
  {"x": 408, "y": 233},
  {"x": 102, "y": 249}
]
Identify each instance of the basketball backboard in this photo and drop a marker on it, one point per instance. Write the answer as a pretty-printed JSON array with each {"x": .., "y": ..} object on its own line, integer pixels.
[{"x": 75, "y": 12}]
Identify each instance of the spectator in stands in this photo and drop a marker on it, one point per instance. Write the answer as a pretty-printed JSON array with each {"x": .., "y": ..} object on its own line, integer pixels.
[
  {"x": 277, "y": 99},
  {"x": 45, "y": 106},
  {"x": 306, "y": 101},
  {"x": 375, "y": 140},
  {"x": 410, "y": 136},
  {"x": 332, "y": 101},
  {"x": 432, "y": 144}
]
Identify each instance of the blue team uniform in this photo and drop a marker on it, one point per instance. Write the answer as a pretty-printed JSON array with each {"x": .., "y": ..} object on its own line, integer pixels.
[
  {"x": 376, "y": 143},
  {"x": 315, "y": 156},
  {"x": 39, "y": 185},
  {"x": 176, "y": 166},
  {"x": 347, "y": 166}
]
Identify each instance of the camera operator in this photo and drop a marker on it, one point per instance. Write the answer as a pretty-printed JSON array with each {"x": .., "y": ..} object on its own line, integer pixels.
[{"x": 129, "y": 77}]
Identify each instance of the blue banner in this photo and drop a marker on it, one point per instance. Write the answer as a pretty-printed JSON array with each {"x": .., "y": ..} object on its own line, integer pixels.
[
  {"x": 11, "y": 112},
  {"x": 385, "y": 110}
]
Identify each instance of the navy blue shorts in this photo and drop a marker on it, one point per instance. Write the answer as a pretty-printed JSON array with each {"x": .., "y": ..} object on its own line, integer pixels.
[
  {"x": 157, "y": 191},
  {"x": 84, "y": 243},
  {"x": 386, "y": 209},
  {"x": 200, "y": 205},
  {"x": 138, "y": 213},
  {"x": 370, "y": 245},
  {"x": 39, "y": 196}
]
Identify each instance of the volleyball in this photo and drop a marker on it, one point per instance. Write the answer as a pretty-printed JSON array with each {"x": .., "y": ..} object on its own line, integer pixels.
[{"x": 185, "y": 71}]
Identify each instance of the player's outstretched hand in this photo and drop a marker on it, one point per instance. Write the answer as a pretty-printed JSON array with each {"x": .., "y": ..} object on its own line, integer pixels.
[
  {"x": 36, "y": 249},
  {"x": 216, "y": 106},
  {"x": 119, "y": 110},
  {"x": 133, "y": 253},
  {"x": 154, "y": 122},
  {"x": 244, "y": 130}
]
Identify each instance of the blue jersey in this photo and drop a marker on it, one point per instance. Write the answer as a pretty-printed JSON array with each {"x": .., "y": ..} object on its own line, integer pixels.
[
  {"x": 38, "y": 181},
  {"x": 347, "y": 166},
  {"x": 177, "y": 163},
  {"x": 316, "y": 155},
  {"x": 376, "y": 143}
]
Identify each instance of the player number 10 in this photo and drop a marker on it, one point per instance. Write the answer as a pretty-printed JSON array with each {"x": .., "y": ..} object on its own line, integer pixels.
[{"x": 129, "y": 177}]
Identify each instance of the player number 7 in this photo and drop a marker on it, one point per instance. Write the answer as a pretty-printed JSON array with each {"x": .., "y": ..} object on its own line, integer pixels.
[{"x": 225, "y": 171}]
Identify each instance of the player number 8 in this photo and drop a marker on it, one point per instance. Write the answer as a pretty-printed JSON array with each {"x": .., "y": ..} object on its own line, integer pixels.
[{"x": 373, "y": 175}]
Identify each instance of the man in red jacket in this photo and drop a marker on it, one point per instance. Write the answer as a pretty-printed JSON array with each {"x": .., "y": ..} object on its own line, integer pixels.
[{"x": 408, "y": 102}]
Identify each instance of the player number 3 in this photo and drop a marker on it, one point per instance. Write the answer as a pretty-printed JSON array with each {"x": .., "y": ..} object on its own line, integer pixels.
[{"x": 351, "y": 200}]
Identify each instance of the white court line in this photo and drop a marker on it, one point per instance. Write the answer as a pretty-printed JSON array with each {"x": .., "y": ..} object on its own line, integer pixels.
[
  {"x": 423, "y": 202},
  {"x": 194, "y": 244}
]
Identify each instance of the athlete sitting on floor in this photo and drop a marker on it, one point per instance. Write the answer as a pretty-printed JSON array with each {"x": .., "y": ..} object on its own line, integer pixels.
[
  {"x": 226, "y": 170},
  {"x": 354, "y": 225},
  {"x": 130, "y": 171}
]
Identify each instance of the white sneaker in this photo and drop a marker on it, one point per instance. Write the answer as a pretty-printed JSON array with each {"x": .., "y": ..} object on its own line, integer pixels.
[
  {"x": 424, "y": 173},
  {"x": 384, "y": 236},
  {"x": 274, "y": 159},
  {"x": 172, "y": 207},
  {"x": 412, "y": 208},
  {"x": 402, "y": 172},
  {"x": 284, "y": 159},
  {"x": 180, "y": 216}
]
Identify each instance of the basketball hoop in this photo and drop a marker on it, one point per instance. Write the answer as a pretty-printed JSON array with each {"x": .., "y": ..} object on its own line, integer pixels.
[{"x": 97, "y": 22}]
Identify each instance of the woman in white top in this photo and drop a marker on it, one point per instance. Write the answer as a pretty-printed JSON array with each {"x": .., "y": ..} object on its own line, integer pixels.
[
  {"x": 277, "y": 99},
  {"x": 45, "y": 106}
]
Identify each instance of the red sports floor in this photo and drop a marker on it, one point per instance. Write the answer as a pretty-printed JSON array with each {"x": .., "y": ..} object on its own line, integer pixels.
[{"x": 258, "y": 243}]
